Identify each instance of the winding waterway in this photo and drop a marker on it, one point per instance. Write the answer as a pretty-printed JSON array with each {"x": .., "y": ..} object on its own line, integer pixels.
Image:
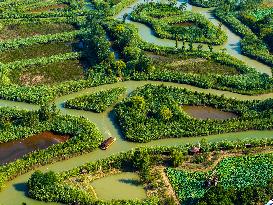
[
  {"x": 232, "y": 45},
  {"x": 15, "y": 192}
]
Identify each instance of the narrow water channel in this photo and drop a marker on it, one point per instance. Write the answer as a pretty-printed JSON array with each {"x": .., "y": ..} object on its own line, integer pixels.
[
  {"x": 15, "y": 192},
  {"x": 232, "y": 45},
  {"x": 16, "y": 189}
]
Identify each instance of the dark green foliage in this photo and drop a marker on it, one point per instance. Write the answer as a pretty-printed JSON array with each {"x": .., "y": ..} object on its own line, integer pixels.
[
  {"x": 17, "y": 124},
  {"x": 243, "y": 19},
  {"x": 170, "y": 22},
  {"x": 240, "y": 180},
  {"x": 205, "y": 3},
  {"x": 140, "y": 159},
  {"x": 97, "y": 102},
  {"x": 146, "y": 123},
  {"x": 248, "y": 195},
  {"x": 96, "y": 47}
]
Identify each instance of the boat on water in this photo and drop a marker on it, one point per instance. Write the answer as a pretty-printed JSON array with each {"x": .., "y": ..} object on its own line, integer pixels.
[{"x": 107, "y": 143}]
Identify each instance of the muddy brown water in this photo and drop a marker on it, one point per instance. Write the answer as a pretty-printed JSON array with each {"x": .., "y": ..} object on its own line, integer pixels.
[
  {"x": 204, "y": 113},
  {"x": 184, "y": 24},
  {"x": 13, "y": 150}
]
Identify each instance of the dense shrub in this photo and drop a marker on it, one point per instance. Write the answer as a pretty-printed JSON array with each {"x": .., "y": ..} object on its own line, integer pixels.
[
  {"x": 98, "y": 101},
  {"x": 16, "y": 124},
  {"x": 139, "y": 158},
  {"x": 167, "y": 22},
  {"x": 144, "y": 123}
]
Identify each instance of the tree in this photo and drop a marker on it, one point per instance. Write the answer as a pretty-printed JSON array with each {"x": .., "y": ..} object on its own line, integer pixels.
[
  {"x": 177, "y": 157},
  {"x": 142, "y": 161},
  {"x": 199, "y": 47},
  {"x": 165, "y": 113},
  {"x": 4, "y": 79},
  {"x": 119, "y": 67},
  {"x": 176, "y": 40},
  {"x": 183, "y": 6},
  {"x": 210, "y": 47},
  {"x": 138, "y": 102},
  {"x": 47, "y": 112},
  {"x": 183, "y": 45},
  {"x": 144, "y": 64},
  {"x": 131, "y": 53},
  {"x": 204, "y": 145},
  {"x": 172, "y": 2},
  {"x": 190, "y": 46},
  {"x": 124, "y": 17}
]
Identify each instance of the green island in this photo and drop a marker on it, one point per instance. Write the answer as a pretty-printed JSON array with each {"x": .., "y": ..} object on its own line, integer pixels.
[{"x": 136, "y": 102}]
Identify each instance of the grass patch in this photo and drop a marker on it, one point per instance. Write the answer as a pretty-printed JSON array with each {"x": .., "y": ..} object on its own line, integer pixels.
[
  {"x": 190, "y": 65},
  {"x": 51, "y": 8},
  {"x": 97, "y": 102},
  {"x": 48, "y": 74},
  {"x": 40, "y": 50},
  {"x": 15, "y": 30},
  {"x": 238, "y": 172}
]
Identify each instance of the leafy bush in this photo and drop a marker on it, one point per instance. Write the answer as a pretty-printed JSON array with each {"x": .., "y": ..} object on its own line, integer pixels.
[
  {"x": 167, "y": 22},
  {"x": 15, "y": 124},
  {"x": 145, "y": 123},
  {"x": 98, "y": 101}
]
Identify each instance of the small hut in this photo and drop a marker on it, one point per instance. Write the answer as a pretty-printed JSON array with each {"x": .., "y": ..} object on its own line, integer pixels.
[
  {"x": 248, "y": 145},
  {"x": 194, "y": 150}
]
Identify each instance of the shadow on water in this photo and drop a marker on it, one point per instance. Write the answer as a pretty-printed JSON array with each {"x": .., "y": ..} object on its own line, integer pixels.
[
  {"x": 211, "y": 15},
  {"x": 236, "y": 47},
  {"x": 113, "y": 118},
  {"x": 22, "y": 187},
  {"x": 130, "y": 181}
]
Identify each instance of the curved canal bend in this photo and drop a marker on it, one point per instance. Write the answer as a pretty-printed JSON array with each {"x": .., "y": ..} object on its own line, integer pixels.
[
  {"x": 15, "y": 190},
  {"x": 232, "y": 45}
]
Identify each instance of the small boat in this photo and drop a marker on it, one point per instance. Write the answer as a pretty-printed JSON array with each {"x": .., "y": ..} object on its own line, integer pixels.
[{"x": 107, "y": 143}]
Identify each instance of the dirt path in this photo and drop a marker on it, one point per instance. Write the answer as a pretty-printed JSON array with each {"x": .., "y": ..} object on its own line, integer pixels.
[{"x": 168, "y": 185}]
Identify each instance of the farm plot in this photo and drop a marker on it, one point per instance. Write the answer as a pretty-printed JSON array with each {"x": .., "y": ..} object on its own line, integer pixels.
[
  {"x": 23, "y": 29},
  {"x": 234, "y": 174}
]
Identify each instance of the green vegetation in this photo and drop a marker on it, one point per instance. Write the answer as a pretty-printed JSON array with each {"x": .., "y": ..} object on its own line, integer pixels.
[
  {"x": 34, "y": 51},
  {"x": 17, "y": 30},
  {"x": 189, "y": 186},
  {"x": 253, "y": 22},
  {"x": 192, "y": 65},
  {"x": 58, "y": 47},
  {"x": 248, "y": 195},
  {"x": 170, "y": 22},
  {"x": 131, "y": 47},
  {"x": 97, "y": 102},
  {"x": 16, "y": 124},
  {"x": 235, "y": 175},
  {"x": 111, "y": 7},
  {"x": 68, "y": 186},
  {"x": 49, "y": 74},
  {"x": 141, "y": 120},
  {"x": 239, "y": 172}
]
